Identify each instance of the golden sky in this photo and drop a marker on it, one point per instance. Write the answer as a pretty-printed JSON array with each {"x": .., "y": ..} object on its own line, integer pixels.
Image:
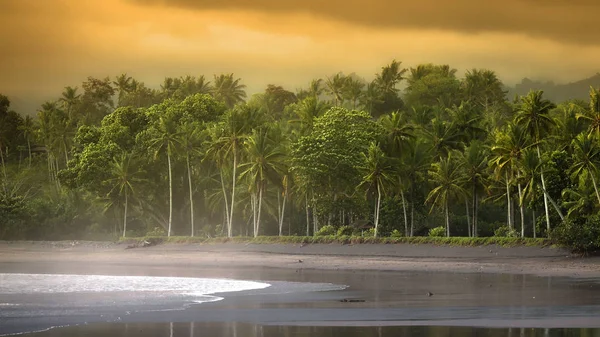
[{"x": 48, "y": 44}]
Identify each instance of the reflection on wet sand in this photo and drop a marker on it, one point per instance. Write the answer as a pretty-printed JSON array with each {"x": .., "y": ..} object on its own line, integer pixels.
[{"x": 249, "y": 330}]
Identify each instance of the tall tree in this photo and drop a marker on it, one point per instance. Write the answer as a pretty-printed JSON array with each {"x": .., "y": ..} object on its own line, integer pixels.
[
  {"x": 123, "y": 178},
  {"x": 165, "y": 140},
  {"x": 586, "y": 155},
  {"x": 334, "y": 86},
  {"x": 532, "y": 113},
  {"x": 229, "y": 90},
  {"x": 377, "y": 171},
  {"x": 446, "y": 175}
]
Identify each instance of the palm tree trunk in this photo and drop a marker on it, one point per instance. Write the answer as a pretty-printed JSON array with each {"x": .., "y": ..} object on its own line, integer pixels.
[
  {"x": 3, "y": 170},
  {"x": 29, "y": 150},
  {"x": 307, "y": 215},
  {"x": 125, "y": 215},
  {"x": 545, "y": 194},
  {"x": 508, "y": 203},
  {"x": 229, "y": 225},
  {"x": 522, "y": 208},
  {"x": 475, "y": 206},
  {"x": 187, "y": 159},
  {"x": 468, "y": 218},
  {"x": 533, "y": 224},
  {"x": 170, "y": 193},
  {"x": 282, "y": 211},
  {"x": 405, "y": 214},
  {"x": 447, "y": 218},
  {"x": 66, "y": 153},
  {"x": 595, "y": 186},
  {"x": 377, "y": 209},
  {"x": 253, "y": 202},
  {"x": 225, "y": 198},
  {"x": 260, "y": 193}
]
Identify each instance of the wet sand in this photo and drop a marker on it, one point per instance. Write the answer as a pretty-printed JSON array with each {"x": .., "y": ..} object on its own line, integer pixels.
[
  {"x": 366, "y": 257},
  {"x": 470, "y": 286}
]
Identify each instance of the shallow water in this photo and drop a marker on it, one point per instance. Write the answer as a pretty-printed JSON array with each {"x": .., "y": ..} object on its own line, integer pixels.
[
  {"x": 248, "y": 330},
  {"x": 391, "y": 304}
]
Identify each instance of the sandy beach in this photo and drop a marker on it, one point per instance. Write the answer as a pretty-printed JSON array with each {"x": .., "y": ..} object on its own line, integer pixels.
[
  {"x": 394, "y": 285},
  {"x": 539, "y": 261}
]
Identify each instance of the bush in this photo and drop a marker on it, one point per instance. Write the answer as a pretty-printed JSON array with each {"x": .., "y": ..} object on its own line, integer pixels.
[
  {"x": 396, "y": 234},
  {"x": 580, "y": 235},
  {"x": 438, "y": 232},
  {"x": 157, "y": 231},
  {"x": 506, "y": 232},
  {"x": 369, "y": 233},
  {"x": 327, "y": 230},
  {"x": 345, "y": 231}
]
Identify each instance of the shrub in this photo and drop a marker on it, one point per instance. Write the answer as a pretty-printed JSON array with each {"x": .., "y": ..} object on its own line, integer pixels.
[
  {"x": 157, "y": 231},
  {"x": 327, "y": 230},
  {"x": 506, "y": 232},
  {"x": 345, "y": 231},
  {"x": 580, "y": 235},
  {"x": 438, "y": 232},
  {"x": 368, "y": 233},
  {"x": 396, "y": 234}
]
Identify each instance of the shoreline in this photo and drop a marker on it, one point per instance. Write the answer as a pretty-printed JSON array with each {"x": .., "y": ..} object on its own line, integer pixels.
[{"x": 540, "y": 261}]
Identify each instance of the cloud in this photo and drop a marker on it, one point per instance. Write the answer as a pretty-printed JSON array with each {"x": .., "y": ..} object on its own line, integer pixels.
[{"x": 567, "y": 21}]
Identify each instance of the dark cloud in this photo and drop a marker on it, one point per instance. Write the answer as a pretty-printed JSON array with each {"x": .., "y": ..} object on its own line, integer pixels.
[{"x": 567, "y": 21}]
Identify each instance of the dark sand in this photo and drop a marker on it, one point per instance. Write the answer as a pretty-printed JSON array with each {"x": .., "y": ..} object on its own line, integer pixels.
[{"x": 472, "y": 286}]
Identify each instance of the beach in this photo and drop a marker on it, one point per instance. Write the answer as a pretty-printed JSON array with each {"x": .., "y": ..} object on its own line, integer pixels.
[{"x": 384, "y": 285}]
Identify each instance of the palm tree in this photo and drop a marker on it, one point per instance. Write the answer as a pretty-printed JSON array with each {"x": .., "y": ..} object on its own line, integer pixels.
[
  {"x": 371, "y": 97},
  {"x": 353, "y": 91},
  {"x": 415, "y": 163},
  {"x": 190, "y": 139},
  {"x": 69, "y": 99},
  {"x": 592, "y": 116},
  {"x": 532, "y": 113},
  {"x": 227, "y": 140},
  {"x": 123, "y": 178},
  {"x": 306, "y": 111},
  {"x": 580, "y": 201},
  {"x": 334, "y": 86},
  {"x": 530, "y": 166},
  {"x": 377, "y": 172},
  {"x": 28, "y": 131},
  {"x": 446, "y": 175},
  {"x": 399, "y": 135},
  {"x": 443, "y": 136},
  {"x": 229, "y": 90},
  {"x": 165, "y": 139},
  {"x": 586, "y": 155},
  {"x": 124, "y": 85},
  {"x": 474, "y": 161},
  {"x": 466, "y": 120},
  {"x": 508, "y": 149},
  {"x": 390, "y": 76},
  {"x": 264, "y": 165}
]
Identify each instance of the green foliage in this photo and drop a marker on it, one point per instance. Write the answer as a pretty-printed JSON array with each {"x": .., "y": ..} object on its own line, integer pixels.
[
  {"x": 437, "y": 232},
  {"x": 396, "y": 234},
  {"x": 506, "y": 232},
  {"x": 326, "y": 230},
  {"x": 345, "y": 231},
  {"x": 157, "y": 231},
  {"x": 582, "y": 235}
]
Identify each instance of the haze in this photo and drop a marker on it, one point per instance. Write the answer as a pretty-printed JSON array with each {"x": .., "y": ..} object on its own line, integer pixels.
[{"x": 49, "y": 44}]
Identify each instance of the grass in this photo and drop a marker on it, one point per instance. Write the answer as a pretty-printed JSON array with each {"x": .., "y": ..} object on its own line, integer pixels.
[{"x": 452, "y": 241}]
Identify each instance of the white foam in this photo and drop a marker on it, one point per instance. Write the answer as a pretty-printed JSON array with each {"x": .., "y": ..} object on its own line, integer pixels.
[{"x": 55, "y": 283}]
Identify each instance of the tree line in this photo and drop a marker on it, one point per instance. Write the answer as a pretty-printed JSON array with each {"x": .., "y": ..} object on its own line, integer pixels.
[{"x": 415, "y": 149}]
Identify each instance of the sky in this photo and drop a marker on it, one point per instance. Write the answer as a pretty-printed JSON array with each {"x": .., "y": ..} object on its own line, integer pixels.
[{"x": 46, "y": 45}]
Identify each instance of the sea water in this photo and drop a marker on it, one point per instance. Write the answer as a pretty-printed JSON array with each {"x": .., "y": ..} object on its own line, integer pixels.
[{"x": 35, "y": 302}]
